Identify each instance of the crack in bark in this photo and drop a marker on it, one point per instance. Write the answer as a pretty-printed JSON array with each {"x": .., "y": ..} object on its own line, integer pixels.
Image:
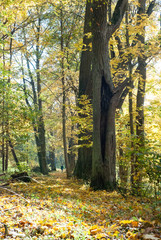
[{"x": 106, "y": 96}]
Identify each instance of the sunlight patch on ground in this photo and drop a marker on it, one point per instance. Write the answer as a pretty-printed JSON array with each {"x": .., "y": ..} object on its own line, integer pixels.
[{"x": 53, "y": 207}]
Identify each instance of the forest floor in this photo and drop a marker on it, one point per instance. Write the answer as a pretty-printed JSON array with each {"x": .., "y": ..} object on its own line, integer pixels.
[{"x": 53, "y": 207}]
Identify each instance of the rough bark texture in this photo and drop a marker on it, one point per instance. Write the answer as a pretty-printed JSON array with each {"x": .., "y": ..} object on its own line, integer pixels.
[
  {"x": 105, "y": 97},
  {"x": 103, "y": 115},
  {"x": 41, "y": 147},
  {"x": 84, "y": 163},
  {"x": 51, "y": 160}
]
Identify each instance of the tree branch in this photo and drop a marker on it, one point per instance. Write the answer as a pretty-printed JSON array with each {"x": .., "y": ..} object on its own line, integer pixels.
[
  {"x": 150, "y": 8},
  {"x": 118, "y": 14}
]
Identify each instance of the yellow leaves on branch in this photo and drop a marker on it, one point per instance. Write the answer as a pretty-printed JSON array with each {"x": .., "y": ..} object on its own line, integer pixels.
[{"x": 84, "y": 118}]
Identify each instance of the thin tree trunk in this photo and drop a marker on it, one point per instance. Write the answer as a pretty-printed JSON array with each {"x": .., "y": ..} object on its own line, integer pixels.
[
  {"x": 14, "y": 155},
  {"x": 3, "y": 144},
  {"x": 6, "y": 155},
  {"x": 8, "y": 140},
  {"x": 64, "y": 100},
  {"x": 136, "y": 187},
  {"x": 52, "y": 159},
  {"x": 5, "y": 123},
  {"x": 38, "y": 120},
  {"x": 3, "y": 117},
  {"x": 41, "y": 128},
  {"x": 71, "y": 154},
  {"x": 123, "y": 168},
  {"x": 131, "y": 117}
]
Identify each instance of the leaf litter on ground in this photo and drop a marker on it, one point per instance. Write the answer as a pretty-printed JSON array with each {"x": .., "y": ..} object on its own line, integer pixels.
[{"x": 53, "y": 207}]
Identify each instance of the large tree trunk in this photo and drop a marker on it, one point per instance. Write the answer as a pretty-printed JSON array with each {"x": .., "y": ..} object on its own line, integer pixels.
[
  {"x": 84, "y": 163},
  {"x": 103, "y": 165},
  {"x": 105, "y": 97}
]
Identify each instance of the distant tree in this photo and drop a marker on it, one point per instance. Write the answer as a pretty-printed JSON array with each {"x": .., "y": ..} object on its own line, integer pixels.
[{"x": 35, "y": 81}]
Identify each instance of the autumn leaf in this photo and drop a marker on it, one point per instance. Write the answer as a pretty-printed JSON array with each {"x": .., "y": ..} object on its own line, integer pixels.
[{"x": 68, "y": 210}]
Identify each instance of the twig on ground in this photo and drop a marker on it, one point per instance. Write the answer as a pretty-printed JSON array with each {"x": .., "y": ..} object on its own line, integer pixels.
[{"x": 14, "y": 193}]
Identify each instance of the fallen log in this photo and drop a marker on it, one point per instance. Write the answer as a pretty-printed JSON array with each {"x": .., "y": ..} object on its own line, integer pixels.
[
  {"x": 4, "y": 185},
  {"x": 2, "y": 174},
  {"x": 23, "y": 176}
]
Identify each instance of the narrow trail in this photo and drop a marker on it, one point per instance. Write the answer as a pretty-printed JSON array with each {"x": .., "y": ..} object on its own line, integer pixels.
[{"x": 53, "y": 207}]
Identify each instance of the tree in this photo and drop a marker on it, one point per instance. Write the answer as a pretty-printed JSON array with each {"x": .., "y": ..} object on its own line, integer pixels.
[
  {"x": 84, "y": 163},
  {"x": 64, "y": 95},
  {"x": 137, "y": 140},
  {"x": 140, "y": 134},
  {"x": 35, "y": 81},
  {"x": 129, "y": 48},
  {"x": 105, "y": 96},
  {"x": 65, "y": 61},
  {"x": 14, "y": 17}
]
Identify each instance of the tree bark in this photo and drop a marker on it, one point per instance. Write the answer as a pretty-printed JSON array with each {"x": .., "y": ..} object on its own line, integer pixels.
[
  {"x": 123, "y": 169},
  {"x": 68, "y": 171},
  {"x": 105, "y": 97},
  {"x": 131, "y": 117},
  {"x": 103, "y": 114},
  {"x": 3, "y": 139},
  {"x": 14, "y": 155},
  {"x": 52, "y": 160},
  {"x": 41, "y": 147},
  {"x": 84, "y": 163},
  {"x": 37, "y": 109},
  {"x": 71, "y": 143},
  {"x": 138, "y": 164},
  {"x": 3, "y": 117}
]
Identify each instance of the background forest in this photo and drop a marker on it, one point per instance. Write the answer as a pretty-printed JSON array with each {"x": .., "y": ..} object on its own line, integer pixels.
[{"x": 50, "y": 98}]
